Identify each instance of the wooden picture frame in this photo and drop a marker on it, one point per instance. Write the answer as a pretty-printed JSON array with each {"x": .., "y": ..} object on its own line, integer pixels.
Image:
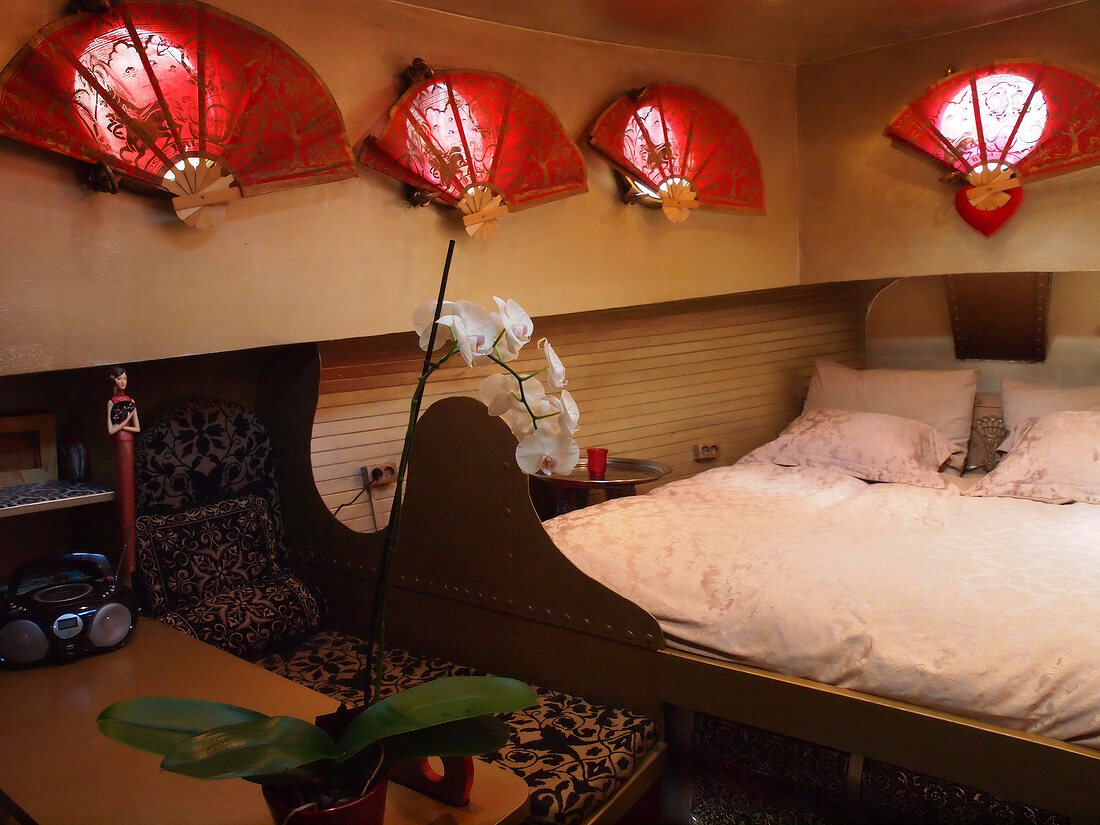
[{"x": 28, "y": 449}]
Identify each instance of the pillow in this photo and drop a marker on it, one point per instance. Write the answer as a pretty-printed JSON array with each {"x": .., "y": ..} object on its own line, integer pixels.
[
  {"x": 870, "y": 446},
  {"x": 1020, "y": 401},
  {"x": 1055, "y": 458},
  {"x": 185, "y": 557},
  {"x": 943, "y": 399}
]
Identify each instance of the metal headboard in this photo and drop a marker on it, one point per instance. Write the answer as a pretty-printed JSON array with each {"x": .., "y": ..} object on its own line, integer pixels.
[{"x": 988, "y": 431}]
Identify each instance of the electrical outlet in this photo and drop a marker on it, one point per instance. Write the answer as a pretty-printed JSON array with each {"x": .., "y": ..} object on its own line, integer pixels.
[
  {"x": 375, "y": 475},
  {"x": 704, "y": 450}
]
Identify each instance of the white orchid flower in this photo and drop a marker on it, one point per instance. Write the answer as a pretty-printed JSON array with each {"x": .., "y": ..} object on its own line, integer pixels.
[
  {"x": 473, "y": 329},
  {"x": 542, "y": 422},
  {"x": 541, "y": 404},
  {"x": 517, "y": 326},
  {"x": 500, "y": 393},
  {"x": 519, "y": 421},
  {"x": 422, "y": 318},
  {"x": 570, "y": 416},
  {"x": 555, "y": 370},
  {"x": 547, "y": 452},
  {"x": 541, "y": 410}
]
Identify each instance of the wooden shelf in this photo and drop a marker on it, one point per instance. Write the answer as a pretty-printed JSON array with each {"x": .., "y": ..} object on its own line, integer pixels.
[{"x": 50, "y": 495}]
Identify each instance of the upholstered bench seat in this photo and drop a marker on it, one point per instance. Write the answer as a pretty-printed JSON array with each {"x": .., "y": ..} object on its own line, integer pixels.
[
  {"x": 211, "y": 560},
  {"x": 574, "y": 754},
  {"x": 213, "y": 571}
]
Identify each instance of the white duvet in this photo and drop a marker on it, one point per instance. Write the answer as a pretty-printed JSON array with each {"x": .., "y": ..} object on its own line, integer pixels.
[{"x": 986, "y": 607}]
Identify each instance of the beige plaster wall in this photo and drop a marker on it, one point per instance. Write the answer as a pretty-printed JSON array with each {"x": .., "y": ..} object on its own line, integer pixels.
[
  {"x": 870, "y": 210},
  {"x": 88, "y": 278}
]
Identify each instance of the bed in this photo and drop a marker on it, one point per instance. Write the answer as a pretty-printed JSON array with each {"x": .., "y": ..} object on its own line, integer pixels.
[
  {"x": 947, "y": 589},
  {"x": 905, "y": 592},
  {"x": 1002, "y": 693}
]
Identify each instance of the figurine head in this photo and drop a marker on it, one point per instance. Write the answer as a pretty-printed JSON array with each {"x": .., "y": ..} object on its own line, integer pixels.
[{"x": 116, "y": 379}]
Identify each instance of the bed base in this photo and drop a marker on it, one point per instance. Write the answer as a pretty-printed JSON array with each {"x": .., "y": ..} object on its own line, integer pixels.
[
  {"x": 478, "y": 579},
  {"x": 1041, "y": 772}
]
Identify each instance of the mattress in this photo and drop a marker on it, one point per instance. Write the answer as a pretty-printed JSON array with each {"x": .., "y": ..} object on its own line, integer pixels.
[{"x": 984, "y": 607}]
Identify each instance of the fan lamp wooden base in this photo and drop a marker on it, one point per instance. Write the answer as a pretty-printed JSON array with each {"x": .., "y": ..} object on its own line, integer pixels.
[
  {"x": 481, "y": 207},
  {"x": 990, "y": 198},
  {"x": 202, "y": 189},
  {"x": 678, "y": 197}
]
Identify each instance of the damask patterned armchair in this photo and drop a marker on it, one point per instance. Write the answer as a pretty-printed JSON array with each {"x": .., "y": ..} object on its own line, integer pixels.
[{"x": 210, "y": 554}]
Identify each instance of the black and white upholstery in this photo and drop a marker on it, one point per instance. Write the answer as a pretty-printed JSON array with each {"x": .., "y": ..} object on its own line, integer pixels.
[
  {"x": 209, "y": 532},
  {"x": 210, "y": 556},
  {"x": 573, "y": 754}
]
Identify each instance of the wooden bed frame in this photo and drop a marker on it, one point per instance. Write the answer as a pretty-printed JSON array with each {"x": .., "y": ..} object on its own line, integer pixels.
[{"x": 477, "y": 580}]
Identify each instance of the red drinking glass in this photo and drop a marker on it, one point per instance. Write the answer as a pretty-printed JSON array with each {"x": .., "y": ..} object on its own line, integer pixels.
[{"x": 597, "y": 462}]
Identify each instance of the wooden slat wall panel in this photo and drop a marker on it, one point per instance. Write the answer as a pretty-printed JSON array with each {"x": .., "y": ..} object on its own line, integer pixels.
[{"x": 650, "y": 382}]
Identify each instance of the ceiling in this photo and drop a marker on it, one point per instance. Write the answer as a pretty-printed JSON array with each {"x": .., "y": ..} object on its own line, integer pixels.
[{"x": 774, "y": 31}]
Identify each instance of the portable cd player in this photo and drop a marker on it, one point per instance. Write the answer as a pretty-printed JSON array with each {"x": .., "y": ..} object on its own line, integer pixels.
[{"x": 60, "y": 608}]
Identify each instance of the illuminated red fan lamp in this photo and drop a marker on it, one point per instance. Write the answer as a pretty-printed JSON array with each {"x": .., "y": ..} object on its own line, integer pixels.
[
  {"x": 178, "y": 96},
  {"x": 476, "y": 141},
  {"x": 681, "y": 150},
  {"x": 996, "y": 126}
]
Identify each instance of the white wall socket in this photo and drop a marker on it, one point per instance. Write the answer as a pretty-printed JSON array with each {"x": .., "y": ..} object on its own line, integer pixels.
[{"x": 704, "y": 450}]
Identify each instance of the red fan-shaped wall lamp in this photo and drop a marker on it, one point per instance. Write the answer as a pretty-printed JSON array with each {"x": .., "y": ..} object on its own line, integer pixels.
[
  {"x": 476, "y": 141},
  {"x": 177, "y": 96},
  {"x": 680, "y": 149},
  {"x": 996, "y": 126}
]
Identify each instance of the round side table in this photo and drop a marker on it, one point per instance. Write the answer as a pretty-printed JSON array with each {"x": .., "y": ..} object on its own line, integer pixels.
[{"x": 555, "y": 494}]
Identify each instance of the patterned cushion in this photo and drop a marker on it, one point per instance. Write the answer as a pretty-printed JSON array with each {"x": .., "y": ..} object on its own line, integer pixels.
[
  {"x": 249, "y": 621},
  {"x": 202, "y": 452},
  {"x": 186, "y": 557},
  {"x": 573, "y": 754},
  {"x": 212, "y": 571}
]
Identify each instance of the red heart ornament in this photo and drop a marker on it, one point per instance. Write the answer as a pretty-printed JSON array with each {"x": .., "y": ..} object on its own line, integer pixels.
[{"x": 987, "y": 221}]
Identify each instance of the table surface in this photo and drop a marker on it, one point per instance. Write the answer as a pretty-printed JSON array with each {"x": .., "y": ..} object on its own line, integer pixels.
[
  {"x": 620, "y": 472},
  {"x": 59, "y": 769}
]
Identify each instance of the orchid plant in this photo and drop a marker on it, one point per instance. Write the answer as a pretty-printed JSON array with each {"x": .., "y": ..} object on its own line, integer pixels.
[{"x": 542, "y": 421}]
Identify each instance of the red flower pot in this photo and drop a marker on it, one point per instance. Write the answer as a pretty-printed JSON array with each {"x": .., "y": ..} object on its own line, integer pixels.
[{"x": 369, "y": 809}]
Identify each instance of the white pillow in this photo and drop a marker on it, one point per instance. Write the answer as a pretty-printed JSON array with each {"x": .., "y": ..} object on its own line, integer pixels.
[
  {"x": 1054, "y": 458},
  {"x": 870, "y": 446},
  {"x": 943, "y": 399},
  {"x": 1020, "y": 401}
]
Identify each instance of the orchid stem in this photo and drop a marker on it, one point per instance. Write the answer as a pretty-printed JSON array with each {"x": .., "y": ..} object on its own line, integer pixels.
[
  {"x": 376, "y": 644},
  {"x": 522, "y": 395}
]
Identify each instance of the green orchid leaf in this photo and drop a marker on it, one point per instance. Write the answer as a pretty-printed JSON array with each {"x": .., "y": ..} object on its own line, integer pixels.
[
  {"x": 159, "y": 723},
  {"x": 434, "y": 703},
  {"x": 301, "y": 777},
  {"x": 269, "y": 745},
  {"x": 464, "y": 737}
]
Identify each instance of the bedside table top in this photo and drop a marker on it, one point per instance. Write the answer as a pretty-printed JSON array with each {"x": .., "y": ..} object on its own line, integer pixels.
[{"x": 620, "y": 472}]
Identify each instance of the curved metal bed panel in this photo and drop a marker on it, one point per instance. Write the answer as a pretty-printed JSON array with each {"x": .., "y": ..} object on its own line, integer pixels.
[
  {"x": 469, "y": 531},
  {"x": 476, "y": 578}
]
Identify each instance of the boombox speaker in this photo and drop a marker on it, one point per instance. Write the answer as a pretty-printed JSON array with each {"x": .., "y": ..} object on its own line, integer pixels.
[{"x": 60, "y": 608}]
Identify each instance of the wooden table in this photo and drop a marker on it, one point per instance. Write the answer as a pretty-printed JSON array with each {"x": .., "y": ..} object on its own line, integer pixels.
[
  {"x": 56, "y": 768},
  {"x": 560, "y": 493}
]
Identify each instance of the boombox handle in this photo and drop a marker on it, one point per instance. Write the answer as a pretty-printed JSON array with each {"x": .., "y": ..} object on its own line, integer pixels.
[{"x": 94, "y": 564}]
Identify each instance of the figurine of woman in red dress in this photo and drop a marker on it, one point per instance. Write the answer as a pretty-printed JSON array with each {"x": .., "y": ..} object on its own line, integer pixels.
[
  {"x": 122, "y": 417},
  {"x": 122, "y": 423}
]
